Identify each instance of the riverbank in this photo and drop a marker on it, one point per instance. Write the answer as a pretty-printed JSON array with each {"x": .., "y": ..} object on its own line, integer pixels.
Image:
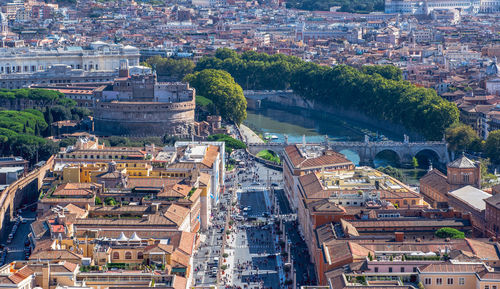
[
  {"x": 249, "y": 136},
  {"x": 292, "y": 102}
]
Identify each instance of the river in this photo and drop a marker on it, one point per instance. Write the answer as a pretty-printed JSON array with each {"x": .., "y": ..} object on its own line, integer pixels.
[{"x": 295, "y": 124}]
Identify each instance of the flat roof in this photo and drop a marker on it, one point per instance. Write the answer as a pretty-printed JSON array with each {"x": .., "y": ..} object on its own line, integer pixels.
[
  {"x": 472, "y": 196},
  {"x": 11, "y": 169}
]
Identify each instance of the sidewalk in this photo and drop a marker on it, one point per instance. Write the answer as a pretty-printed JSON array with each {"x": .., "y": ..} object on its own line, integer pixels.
[{"x": 249, "y": 136}]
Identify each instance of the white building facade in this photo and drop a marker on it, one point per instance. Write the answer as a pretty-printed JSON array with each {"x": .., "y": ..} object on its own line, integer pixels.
[{"x": 99, "y": 56}]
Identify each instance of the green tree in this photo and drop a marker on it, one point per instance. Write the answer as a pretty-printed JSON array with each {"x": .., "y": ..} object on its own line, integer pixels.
[
  {"x": 460, "y": 137},
  {"x": 37, "y": 129},
  {"x": 386, "y": 71},
  {"x": 174, "y": 68},
  {"x": 414, "y": 162},
  {"x": 109, "y": 201},
  {"x": 230, "y": 143},
  {"x": 392, "y": 171},
  {"x": 452, "y": 233},
  {"x": 98, "y": 201},
  {"x": 60, "y": 112},
  {"x": 220, "y": 87},
  {"x": 492, "y": 146}
]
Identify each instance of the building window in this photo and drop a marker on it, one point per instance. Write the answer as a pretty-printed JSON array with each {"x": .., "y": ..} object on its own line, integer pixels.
[
  {"x": 494, "y": 287},
  {"x": 450, "y": 281},
  {"x": 427, "y": 281},
  {"x": 486, "y": 286},
  {"x": 402, "y": 269},
  {"x": 116, "y": 255},
  {"x": 390, "y": 269},
  {"x": 461, "y": 281},
  {"x": 140, "y": 255},
  {"x": 128, "y": 255},
  {"x": 439, "y": 281},
  {"x": 376, "y": 269}
]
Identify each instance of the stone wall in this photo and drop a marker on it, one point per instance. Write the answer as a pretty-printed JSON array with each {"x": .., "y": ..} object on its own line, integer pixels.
[
  {"x": 288, "y": 99},
  {"x": 23, "y": 191}
]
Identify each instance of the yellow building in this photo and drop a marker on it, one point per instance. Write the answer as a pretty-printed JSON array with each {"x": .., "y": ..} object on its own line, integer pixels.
[{"x": 462, "y": 275}]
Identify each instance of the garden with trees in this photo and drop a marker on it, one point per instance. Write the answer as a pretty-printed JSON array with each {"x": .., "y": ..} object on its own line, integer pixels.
[{"x": 22, "y": 132}]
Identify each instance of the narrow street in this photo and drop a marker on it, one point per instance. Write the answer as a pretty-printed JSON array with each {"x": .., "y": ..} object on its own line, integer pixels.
[
  {"x": 16, "y": 248},
  {"x": 244, "y": 247}
]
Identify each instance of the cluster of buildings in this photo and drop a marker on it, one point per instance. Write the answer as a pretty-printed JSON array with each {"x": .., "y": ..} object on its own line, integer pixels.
[
  {"x": 446, "y": 45},
  {"x": 114, "y": 217},
  {"x": 365, "y": 228}
]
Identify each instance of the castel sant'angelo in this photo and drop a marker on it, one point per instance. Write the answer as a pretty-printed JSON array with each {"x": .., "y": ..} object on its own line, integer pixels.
[{"x": 138, "y": 105}]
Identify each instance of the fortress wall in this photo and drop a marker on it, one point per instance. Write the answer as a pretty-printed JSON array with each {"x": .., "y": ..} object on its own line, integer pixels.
[{"x": 144, "y": 118}]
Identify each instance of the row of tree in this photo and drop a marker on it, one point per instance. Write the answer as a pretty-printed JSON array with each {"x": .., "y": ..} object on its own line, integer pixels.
[
  {"x": 377, "y": 91},
  {"x": 174, "y": 69},
  {"x": 353, "y": 6},
  {"x": 40, "y": 97}
]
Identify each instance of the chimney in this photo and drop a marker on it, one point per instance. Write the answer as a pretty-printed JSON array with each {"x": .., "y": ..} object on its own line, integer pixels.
[
  {"x": 399, "y": 236},
  {"x": 154, "y": 207}
]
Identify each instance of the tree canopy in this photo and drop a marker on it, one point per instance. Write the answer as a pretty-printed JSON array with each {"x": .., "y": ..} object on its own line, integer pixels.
[
  {"x": 43, "y": 97},
  {"x": 173, "y": 68},
  {"x": 358, "y": 6},
  {"x": 20, "y": 135},
  {"x": 220, "y": 87},
  {"x": 392, "y": 171},
  {"x": 231, "y": 143},
  {"x": 376, "y": 91},
  {"x": 21, "y": 132},
  {"x": 460, "y": 137},
  {"x": 492, "y": 146},
  {"x": 452, "y": 233}
]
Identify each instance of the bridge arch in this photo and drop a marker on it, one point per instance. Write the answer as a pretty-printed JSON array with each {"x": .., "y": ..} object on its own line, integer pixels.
[
  {"x": 387, "y": 156},
  {"x": 426, "y": 155}
]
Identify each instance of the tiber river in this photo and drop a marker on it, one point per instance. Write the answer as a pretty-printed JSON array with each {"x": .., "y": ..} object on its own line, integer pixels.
[{"x": 314, "y": 125}]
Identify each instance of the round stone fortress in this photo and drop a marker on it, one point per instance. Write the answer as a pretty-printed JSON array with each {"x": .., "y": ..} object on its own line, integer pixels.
[
  {"x": 138, "y": 105},
  {"x": 144, "y": 118}
]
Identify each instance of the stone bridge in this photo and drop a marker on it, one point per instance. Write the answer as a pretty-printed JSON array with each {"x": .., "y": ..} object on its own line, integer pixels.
[{"x": 367, "y": 150}]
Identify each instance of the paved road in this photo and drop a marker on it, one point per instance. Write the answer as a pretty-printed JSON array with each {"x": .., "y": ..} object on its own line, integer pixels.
[
  {"x": 207, "y": 257},
  {"x": 283, "y": 203},
  {"x": 16, "y": 247},
  {"x": 300, "y": 255},
  {"x": 253, "y": 256}
]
